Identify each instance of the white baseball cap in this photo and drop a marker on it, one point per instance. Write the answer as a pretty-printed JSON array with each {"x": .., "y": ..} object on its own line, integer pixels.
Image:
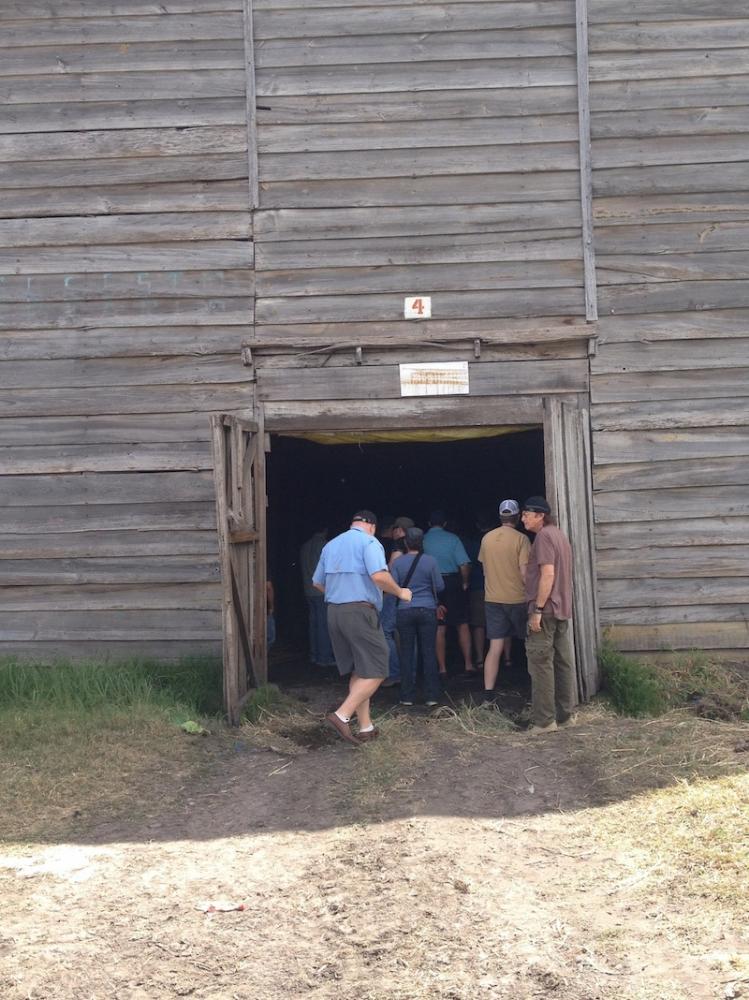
[{"x": 509, "y": 507}]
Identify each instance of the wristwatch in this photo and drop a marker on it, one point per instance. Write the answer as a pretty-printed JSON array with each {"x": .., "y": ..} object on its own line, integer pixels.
[{"x": 538, "y": 611}]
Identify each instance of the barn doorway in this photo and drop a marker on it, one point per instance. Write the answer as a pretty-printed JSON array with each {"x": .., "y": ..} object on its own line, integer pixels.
[
  {"x": 320, "y": 480},
  {"x": 324, "y": 476}
]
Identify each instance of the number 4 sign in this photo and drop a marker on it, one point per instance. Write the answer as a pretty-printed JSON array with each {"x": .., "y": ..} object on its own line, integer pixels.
[{"x": 418, "y": 307}]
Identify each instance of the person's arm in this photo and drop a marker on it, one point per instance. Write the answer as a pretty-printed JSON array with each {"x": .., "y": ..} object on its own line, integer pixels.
[
  {"x": 545, "y": 584},
  {"x": 437, "y": 581},
  {"x": 319, "y": 586},
  {"x": 388, "y": 585},
  {"x": 465, "y": 575},
  {"x": 270, "y": 597}
]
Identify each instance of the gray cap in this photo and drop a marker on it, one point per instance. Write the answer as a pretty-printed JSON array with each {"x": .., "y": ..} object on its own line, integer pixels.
[{"x": 509, "y": 507}]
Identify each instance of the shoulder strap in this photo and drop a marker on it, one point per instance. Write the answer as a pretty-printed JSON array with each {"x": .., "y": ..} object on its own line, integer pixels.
[{"x": 410, "y": 573}]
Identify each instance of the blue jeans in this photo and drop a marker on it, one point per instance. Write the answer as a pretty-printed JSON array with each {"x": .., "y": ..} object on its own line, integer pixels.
[
  {"x": 421, "y": 624},
  {"x": 320, "y": 649},
  {"x": 387, "y": 620}
]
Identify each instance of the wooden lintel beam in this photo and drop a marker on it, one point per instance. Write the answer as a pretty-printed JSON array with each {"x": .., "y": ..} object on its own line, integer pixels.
[{"x": 531, "y": 335}]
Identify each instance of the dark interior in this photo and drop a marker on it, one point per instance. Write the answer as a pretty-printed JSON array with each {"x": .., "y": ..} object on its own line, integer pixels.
[{"x": 312, "y": 485}]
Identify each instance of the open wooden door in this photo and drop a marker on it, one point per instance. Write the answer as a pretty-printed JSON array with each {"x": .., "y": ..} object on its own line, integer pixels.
[
  {"x": 239, "y": 473},
  {"x": 567, "y": 432}
]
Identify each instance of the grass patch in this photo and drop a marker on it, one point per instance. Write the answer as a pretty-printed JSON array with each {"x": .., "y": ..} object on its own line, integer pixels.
[
  {"x": 473, "y": 720},
  {"x": 387, "y": 765},
  {"x": 81, "y": 743},
  {"x": 641, "y": 687}
]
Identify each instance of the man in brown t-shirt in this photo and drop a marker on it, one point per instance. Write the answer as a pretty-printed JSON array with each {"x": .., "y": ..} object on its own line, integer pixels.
[
  {"x": 503, "y": 555},
  {"x": 548, "y": 590}
]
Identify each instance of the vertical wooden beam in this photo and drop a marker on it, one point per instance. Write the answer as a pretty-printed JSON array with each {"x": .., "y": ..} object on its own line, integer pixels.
[
  {"x": 219, "y": 436},
  {"x": 586, "y": 168},
  {"x": 260, "y": 630},
  {"x": 249, "y": 61}
]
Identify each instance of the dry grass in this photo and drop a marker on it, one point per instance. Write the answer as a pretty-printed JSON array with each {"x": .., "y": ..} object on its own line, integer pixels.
[
  {"x": 679, "y": 793},
  {"x": 59, "y": 776}
]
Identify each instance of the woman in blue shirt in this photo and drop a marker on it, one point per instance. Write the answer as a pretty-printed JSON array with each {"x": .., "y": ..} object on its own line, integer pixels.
[{"x": 419, "y": 618}]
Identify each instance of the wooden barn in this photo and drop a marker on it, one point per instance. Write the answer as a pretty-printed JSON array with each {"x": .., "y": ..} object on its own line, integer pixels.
[{"x": 232, "y": 228}]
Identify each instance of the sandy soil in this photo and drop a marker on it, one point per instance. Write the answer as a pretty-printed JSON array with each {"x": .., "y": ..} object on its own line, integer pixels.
[{"x": 470, "y": 868}]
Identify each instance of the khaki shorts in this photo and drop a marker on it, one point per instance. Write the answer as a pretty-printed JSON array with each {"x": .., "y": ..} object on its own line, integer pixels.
[{"x": 358, "y": 641}]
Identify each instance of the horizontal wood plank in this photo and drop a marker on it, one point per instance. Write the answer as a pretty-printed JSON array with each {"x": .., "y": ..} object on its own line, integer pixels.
[
  {"x": 683, "y": 411},
  {"x": 330, "y": 415},
  {"x": 127, "y": 399},
  {"x": 656, "y": 592},
  {"x": 120, "y": 372},
  {"x": 683, "y": 385},
  {"x": 471, "y": 306},
  {"x": 129, "y": 312},
  {"x": 669, "y": 505},
  {"x": 360, "y": 19},
  {"x": 621, "y": 447},
  {"x": 106, "y": 144},
  {"x": 163, "y": 651},
  {"x": 698, "y": 635},
  {"x": 57, "y": 87},
  {"x": 181, "y": 596},
  {"x": 61, "y": 31},
  {"x": 105, "y": 544},
  {"x": 111, "y": 229},
  {"x": 492, "y": 378},
  {"x": 110, "y": 626},
  {"x": 718, "y": 324},
  {"x": 115, "y": 199},
  {"x": 135, "y": 517},
  {"x": 226, "y": 255},
  {"x": 715, "y": 472},
  {"x": 311, "y": 224},
  {"x": 141, "y": 570},
  {"x": 674, "y": 615},
  {"x": 135, "y": 57},
  {"x": 123, "y": 342},
  {"x": 662, "y": 355},
  {"x": 479, "y": 189},
  {"x": 138, "y": 457},
  {"x": 678, "y": 296},
  {"x": 708, "y": 208},
  {"x": 127, "y": 170},
  {"x": 707, "y": 530},
  {"x": 114, "y": 487},
  {"x": 69, "y": 116},
  {"x": 556, "y": 244}
]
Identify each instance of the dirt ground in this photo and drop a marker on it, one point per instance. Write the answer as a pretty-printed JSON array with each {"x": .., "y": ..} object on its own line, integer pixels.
[{"x": 440, "y": 862}]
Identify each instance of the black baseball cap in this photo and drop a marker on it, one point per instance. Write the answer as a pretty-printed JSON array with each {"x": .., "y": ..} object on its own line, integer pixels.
[
  {"x": 365, "y": 515},
  {"x": 537, "y": 505}
]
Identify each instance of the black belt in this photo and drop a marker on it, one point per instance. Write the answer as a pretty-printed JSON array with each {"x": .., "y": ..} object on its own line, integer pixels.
[{"x": 366, "y": 604}]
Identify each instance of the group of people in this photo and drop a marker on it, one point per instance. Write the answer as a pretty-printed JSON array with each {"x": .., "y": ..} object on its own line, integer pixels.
[{"x": 425, "y": 581}]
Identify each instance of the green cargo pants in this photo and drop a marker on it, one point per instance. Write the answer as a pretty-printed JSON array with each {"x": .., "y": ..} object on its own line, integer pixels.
[{"x": 552, "y": 674}]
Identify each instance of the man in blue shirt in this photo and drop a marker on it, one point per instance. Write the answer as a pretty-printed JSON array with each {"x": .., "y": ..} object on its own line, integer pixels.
[
  {"x": 455, "y": 567},
  {"x": 352, "y": 574}
]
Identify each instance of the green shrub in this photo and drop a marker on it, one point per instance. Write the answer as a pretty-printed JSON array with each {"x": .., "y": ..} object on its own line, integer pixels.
[{"x": 635, "y": 688}]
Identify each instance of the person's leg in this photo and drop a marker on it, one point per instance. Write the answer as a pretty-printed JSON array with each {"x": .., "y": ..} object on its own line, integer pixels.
[
  {"x": 507, "y": 650},
  {"x": 565, "y": 682},
  {"x": 361, "y": 690},
  {"x": 440, "y": 650},
  {"x": 427, "y": 630},
  {"x": 406, "y": 623},
  {"x": 464, "y": 641},
  {"x": 479, "y": 644},
  {"x": 326, "y": 658},
  {"x": 313, "y": 631},
  {"x": 540, "y": 651},
  {"x": 491, "y": 663}
]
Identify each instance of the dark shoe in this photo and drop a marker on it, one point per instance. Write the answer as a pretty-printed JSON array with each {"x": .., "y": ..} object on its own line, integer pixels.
[
  {"x": 431, "y": 704},
  {"x": 569, "y": 722},
  {"x": 366, "y": 737},
  {"x": 342, "y": 728},
  {"x": 406, "y": 704}
]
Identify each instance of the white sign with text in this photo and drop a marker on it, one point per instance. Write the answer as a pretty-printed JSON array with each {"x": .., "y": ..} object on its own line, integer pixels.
[{"x": 442, "y": 378}]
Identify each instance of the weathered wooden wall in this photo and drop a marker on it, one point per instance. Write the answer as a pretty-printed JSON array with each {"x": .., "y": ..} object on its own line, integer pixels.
[
  {"x": 127, "y": 287},
  {"x": 670, "y": 382},
  {"x": 417, "y": 148}
]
